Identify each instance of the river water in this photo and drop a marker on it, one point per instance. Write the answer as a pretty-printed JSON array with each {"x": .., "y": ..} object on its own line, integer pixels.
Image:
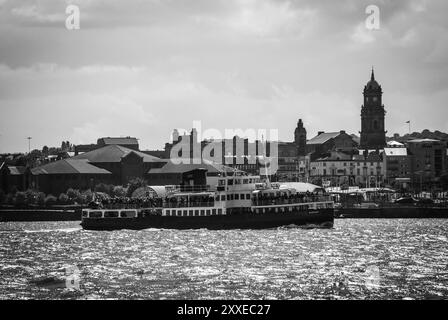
[{"x": 357, "y": 259}]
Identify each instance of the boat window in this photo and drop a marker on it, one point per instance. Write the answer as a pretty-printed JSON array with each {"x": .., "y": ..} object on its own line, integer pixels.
[
  {"x": 219, "y": 211},
  {"x": 248, "y": 196},
  {"x": 223, "y": 198},
  {"x": 196, "y": 212},
  {"x": 179, "y": 213},
  {"x": 127, "y": 214},
  {"x": 231, "y": 196},
  {"x": 208, "y": 212},
  {"x": 202, "y": 212},
  {"x": 221, "y": 182},
  {"x": 237, "y": 181},
  {"x": 237, "y": 196},
  {"x": 245, "y": 181},
  {"x": 168, "y": 212},
  {"x": 217, "y": 198},
  {"x": 190, "y": 213},
  {"x": 111, "y": 214},
  {"x": 96, "y": 214},
  {"x": 230, "y": 182},
  {"x": 85, "y": 214},
  {"x": 213, "y": 211},
  {"x": 185, "y": 213},
  {"x": 290, "y": 209},
  {"x": 228, "y": 197}
]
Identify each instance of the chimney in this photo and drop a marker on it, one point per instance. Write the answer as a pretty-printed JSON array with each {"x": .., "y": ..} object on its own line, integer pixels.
[{"x": 342, "y": 131}]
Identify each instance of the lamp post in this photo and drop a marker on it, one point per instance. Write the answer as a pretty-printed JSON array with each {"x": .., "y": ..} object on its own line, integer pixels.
[{"x": 29, "y": 144}]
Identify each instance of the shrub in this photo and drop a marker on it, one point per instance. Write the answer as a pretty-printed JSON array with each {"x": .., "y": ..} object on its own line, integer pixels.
[
  {"x": 9, "y": 198},
  {"x": 72, "y": 193},
  {"x": 87, "y": 196},
  {"x": 63, "y": 198},
  {"x": 31, "y": 196},
  {"x": 74, "y": 196},
  {"x": 135, "y": 184},
  {"x": 14, "y": 190},
  {"x": 50, "y": 200},
  {"x": 40, "y": 199},
  {"x": 20, "y": 199},
  {"x": 119, "y": 192},
  {"x": 2, "y": 197}
]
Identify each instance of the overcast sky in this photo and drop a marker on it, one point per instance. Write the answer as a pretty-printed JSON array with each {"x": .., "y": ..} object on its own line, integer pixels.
[{"x": 142, "y": 68}]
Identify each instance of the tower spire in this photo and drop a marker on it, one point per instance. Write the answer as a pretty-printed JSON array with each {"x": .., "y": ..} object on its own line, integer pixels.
[{"x": 372, "y": 77}]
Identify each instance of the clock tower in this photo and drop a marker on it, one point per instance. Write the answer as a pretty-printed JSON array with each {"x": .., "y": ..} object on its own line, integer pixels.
[{"x": 373, "y": 135}]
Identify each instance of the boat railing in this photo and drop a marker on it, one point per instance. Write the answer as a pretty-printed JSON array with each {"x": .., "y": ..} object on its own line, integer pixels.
[
  {"x": 190, "y": 204},
  {"x": 187, "y": 188},
  {"x": 306, "y": 199}
]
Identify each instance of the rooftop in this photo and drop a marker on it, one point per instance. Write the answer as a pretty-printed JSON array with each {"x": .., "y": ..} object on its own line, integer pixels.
[
  {"x": 423, "y": 140},
  {"x": 69, "y": 166},
  {"x": 323, "y": 137},
  {"x": 210, "y": 166},
  {"x": 118, "y": 140},
  {"x": 114, "y": 153}
]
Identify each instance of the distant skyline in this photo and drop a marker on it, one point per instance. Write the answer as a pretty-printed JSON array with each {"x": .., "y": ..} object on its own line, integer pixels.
[{"x": 142, "y": 68}]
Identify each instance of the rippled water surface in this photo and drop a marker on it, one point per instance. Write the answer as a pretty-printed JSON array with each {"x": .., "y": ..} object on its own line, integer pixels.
[{"x": 357, "y": 259}]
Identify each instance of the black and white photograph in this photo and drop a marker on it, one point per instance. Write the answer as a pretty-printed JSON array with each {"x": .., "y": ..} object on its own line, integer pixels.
[{"x": 223, "y": 155}]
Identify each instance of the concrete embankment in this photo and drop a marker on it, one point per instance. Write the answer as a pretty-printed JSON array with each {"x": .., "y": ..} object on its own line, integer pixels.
[
  {"x": 410, "y": 212},
  {"x": 49, "y": 214}
]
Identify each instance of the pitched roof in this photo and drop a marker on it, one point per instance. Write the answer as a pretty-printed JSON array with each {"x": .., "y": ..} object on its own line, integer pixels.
[
  {"x": 120, "y": 140},
  {"x": 69, "y": 166},
  {"x": 16, "y": 170},
  {"x": 323, "y": 137},
  {"x": 114, "y": 153},
  {"x": 210, "y": 166},
  {"x": 395, "y": 144},
  {"x": 336, "y": 156},
  {"x": 423, "y": 140}
]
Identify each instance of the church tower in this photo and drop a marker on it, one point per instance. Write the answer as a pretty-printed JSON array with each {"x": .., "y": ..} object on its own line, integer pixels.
[
  {"x": 300, "y": 138},
  {"x": 373, "y": 135}
]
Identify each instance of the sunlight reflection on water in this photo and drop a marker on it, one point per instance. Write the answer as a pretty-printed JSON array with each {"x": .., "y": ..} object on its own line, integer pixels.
[{"x": 358, "y": 259}]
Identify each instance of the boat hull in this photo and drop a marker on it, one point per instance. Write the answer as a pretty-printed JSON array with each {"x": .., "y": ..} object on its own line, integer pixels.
[{"x": 245, "y": 220}]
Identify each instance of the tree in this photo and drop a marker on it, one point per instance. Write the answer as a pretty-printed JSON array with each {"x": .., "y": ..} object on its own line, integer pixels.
[
  {"x": 135, "y": 184},
  {"x": 45, "y": 150}
]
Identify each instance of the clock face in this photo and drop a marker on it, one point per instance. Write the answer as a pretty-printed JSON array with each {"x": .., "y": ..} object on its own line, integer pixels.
[{"x": 375, "y": 99}]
